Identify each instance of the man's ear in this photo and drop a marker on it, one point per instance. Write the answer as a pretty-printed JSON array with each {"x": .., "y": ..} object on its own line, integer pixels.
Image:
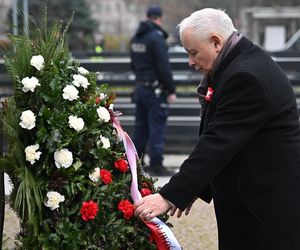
[{"x": 217, "y": 42}]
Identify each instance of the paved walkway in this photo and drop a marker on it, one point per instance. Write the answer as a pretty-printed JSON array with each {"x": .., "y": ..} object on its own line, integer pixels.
[
  {"x": 197, "y": 231},
  {"x": 11, "y": 227}
]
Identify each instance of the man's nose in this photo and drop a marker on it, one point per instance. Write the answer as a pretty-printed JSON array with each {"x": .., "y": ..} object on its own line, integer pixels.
[{"x": 191, "y": 62}]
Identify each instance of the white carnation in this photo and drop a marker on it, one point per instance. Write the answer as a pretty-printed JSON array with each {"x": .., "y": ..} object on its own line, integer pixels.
[
  {"x": 29, "y": 84},
  {"x": 32, "y": 154},
  {"x": 27, "y": 119},
  {"x": 83, "y": 71},
  {"x": 111, "y": 107},
  {"x": 37, "y": 62},
  {"x": 103, "y": 114},
  {"x": 102, "y": 96},
  {"x": 79, "y": 80},
  {"x": 76, "y": 123},
  {"x": 63, "y": 158},
  {"x": 54, "y": 198},
  {"x": 105, "y": 142},
  {"x": 95, "y": 175},
  {"x": 70, "y": 93}
]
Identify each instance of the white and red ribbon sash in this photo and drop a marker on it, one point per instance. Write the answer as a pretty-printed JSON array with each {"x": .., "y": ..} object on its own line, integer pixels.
[{"x": 162, "y": 234}]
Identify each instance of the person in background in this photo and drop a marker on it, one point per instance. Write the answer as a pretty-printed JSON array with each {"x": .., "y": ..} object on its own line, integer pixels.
[
  {"x": 99, "y": 43},
  {"x": 155, "y": 88},
  {"x": 248, "y": 154}
]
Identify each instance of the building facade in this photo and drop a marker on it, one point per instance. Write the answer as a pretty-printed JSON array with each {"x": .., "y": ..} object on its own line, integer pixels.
[
  {"x": 266, "y": 26},
  {"x": 116, "y": 17},
  {"x": 4, "y": 8}
]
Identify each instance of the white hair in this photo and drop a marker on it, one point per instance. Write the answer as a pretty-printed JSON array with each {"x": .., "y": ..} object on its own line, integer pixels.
[{"x": 206, "y": 21}]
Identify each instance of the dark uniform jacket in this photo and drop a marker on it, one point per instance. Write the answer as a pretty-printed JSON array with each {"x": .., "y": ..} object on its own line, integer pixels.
[
  {"x": 248, "y": 155},
  {"x": 149, "y": 56}
]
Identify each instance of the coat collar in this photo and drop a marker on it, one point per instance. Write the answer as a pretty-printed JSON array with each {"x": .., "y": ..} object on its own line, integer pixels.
[{"x": 242, "y": 46}]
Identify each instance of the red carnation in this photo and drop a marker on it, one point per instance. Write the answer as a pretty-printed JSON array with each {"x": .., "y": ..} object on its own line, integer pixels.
[
  {"x": 105, "y": 176},
  {"x": 145, "y": 184},
  {"x": 145, "y": 192},
  {"x": 89, "y": 210},
  {"x": 122, "y": 165},
  {"x": 209, "y": 94},
  {"x": 98, "y": 99},
  {"x": 126, "y": 208}
]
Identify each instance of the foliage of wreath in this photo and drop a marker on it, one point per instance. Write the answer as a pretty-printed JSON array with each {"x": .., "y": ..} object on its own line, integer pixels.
[{"x": 61, "y": 198}]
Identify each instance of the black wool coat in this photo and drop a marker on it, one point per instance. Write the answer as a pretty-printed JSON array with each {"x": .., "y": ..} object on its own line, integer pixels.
[{"x": 248, "y": 155}]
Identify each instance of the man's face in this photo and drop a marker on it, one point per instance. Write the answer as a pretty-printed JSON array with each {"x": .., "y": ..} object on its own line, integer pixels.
[{"x": 202, "y": 53}]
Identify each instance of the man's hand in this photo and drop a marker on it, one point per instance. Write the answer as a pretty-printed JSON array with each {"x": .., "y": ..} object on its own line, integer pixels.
[
  {"x": 186, "y": 211},
  {"x": 151, "y": 206},
  {"x": 171, "y": 98}
]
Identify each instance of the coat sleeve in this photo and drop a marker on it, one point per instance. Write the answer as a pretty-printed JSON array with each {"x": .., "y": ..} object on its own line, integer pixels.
[
  {"x": 163, "y": 65},
  {"x": 242, "y": 109},
  {"x": 206, "y": 194}
]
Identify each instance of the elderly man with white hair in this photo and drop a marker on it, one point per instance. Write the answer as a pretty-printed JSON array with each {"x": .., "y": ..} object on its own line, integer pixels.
[{"x": 247, "y": 158}]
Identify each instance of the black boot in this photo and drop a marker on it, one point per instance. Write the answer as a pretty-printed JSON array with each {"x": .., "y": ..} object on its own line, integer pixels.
[{"x": 159, "y": 170}]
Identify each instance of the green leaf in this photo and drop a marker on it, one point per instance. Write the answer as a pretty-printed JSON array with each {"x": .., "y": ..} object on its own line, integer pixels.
[
  {"x": 77, "y": 164},
  {"x": 29, "y": 198},
  {"x": 54, "y": 140}
]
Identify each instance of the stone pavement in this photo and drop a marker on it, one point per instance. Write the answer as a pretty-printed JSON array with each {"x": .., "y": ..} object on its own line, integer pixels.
[
  {"x": 197, "y": 231},
  {"x": 11, "y": 227}
]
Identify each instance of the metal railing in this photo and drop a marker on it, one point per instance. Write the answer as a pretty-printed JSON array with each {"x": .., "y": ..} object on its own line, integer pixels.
[{"x": 184, "y": 118}]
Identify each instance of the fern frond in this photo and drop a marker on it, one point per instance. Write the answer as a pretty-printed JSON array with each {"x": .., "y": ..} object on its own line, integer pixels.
[
  {"x": 18, "y": 62},
  {"x": 10, "y": 123},
  {"x": 10, "y": 131}
]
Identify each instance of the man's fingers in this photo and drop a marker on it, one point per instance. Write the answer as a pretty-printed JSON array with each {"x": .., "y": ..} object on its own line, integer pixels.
[
  {"x": 143, "y": 211},
  {"x": 151, "y": 215},
  {"x": 151, "y": 206},
  {"x": 146, "y": 214},
  {"x": 173, "y": 211},
  {"x": 139, "y": 209},
  {"x": 138, "y": 203},
  {"x": 179, "y": 213},
  {"x": 187, "y": 210}
]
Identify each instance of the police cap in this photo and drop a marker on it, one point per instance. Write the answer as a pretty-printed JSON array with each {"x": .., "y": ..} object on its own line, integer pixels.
[{"x": 154, "y": 11}]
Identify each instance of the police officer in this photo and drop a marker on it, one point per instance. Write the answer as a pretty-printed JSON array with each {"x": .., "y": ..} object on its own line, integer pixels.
[{"x": 154, "y": 90}]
